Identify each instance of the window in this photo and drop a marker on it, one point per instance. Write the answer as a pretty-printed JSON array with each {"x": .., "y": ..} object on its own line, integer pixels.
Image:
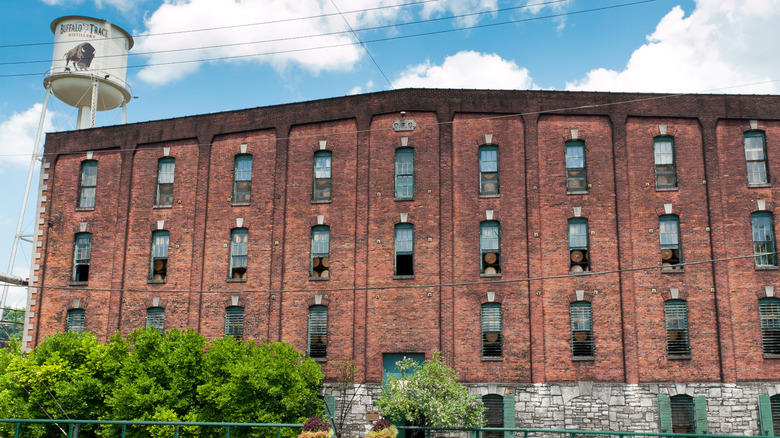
[
  {"x": 155, "y": 318},
  {"x": 234, "y": 322},
  {"x": 322, "y": 179},
  {"x": 576, "y": 174},
  {"x": 242, "y": 182},
  {"x": 669, "y": 233},
  {"x": 320, "y": 251},
  {"x": 763, "y": 239},
  {"x": 488, "y": 170},
  {"x": 769, "y": 414},
  {"x": 769, "y": 313},
  {"x": 404, "y": 173},
  {"x": 676, "y": 313},
  {"x": 490, "y": 247},
  {"x": 81, "y": 257},
  {"x": 88, "y": 184},
  {"x": 665, "y": 168},
  {"x": 75, "y": 322},
  {"x": 682, "y": 414},
  {"x": 492, "y": 342},
  {"x": 494, "y": 414},
  {"x": 239, "y": 247},
  {"x": 579, "y": 255},
  {"x": 581, "y": 329},
  {"x": 165, "y": 171},
  {"x": 404, "y": 249},
  {"x": 159, "y": 255},
  {"x": 318, "y": 331},
  {"x": 755, "y": 158}
]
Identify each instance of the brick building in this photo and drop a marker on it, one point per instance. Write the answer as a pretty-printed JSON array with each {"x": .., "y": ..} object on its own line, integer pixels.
[{"x": 583, "y": 260}]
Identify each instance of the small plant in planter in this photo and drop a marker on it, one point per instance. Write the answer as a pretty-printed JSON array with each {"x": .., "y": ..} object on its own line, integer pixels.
[
  {"x": 382, "y": 429},
  {"x": 315, "y": 427}
]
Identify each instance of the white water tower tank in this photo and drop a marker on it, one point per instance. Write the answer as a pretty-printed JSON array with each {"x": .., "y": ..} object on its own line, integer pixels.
[{"x": 89, "y": 66}]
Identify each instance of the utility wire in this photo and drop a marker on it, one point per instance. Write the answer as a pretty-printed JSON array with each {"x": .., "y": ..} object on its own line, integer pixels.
[
  {"x": 423, "y": 34},
  {"x": 418, "y": 286},
  {"x": 365, "y": 49}
]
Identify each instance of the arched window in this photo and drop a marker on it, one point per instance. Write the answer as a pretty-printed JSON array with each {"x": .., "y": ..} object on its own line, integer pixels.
[
  {"x": 322, "y": 176},
  {"x": 242, "y": 179},
  {"x": 581, "y": 329},
  {"x": 490, "y": 247},
  {"x": 579, "y": 251},
  {"x": 318, "y": 331},
  {"x": 75, "y": 320},
  {"x": 320, "y": 251},
  {"x": 492, "y": 339},
  {"x": 488, "y": 170},
  {"x": 676, "y": 313},
  {"x": 665, "y": 168},
  {"x": 81, "y": 257},
  {"x": 239, "y": 248},
  {"x": 234, "y": 322},
  {"x": 166, "y": 168},
  {"x": 769, "y": 313},
  {"x": 88, "y": 184},
  {"x": 404, "y": 249}
]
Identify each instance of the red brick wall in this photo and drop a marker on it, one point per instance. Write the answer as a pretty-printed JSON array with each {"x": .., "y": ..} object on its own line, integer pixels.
[{"x": 371, "y": 312}]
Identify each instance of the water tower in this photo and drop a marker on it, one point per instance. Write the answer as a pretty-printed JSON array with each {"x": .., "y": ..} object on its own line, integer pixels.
[
  {"x": 88, "y": 72},
  {"x": 89, "y": 66}
]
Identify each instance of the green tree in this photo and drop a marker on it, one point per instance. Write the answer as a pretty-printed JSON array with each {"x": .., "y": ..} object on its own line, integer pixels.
[
  {"x": 429, "y": 395},
  {"x": 266, "y": 383}
]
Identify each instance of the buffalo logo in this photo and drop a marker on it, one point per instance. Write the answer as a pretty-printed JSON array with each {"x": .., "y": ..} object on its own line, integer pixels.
[{"x": 81, "y": 56}]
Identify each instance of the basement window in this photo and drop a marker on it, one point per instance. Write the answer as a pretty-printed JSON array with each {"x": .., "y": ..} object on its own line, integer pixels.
[{"x": 494, "y": 415}]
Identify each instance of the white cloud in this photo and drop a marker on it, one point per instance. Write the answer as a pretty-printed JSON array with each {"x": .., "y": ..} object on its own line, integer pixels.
[
  {"x": 362, "y": 88},
  {"x": 17, "y": 135},
  {"x": 122, "y": 5},
  {"x": 467, "y": 69},
  {"x": 460, "y": 7},
  {"x": 722, "y": 44}
]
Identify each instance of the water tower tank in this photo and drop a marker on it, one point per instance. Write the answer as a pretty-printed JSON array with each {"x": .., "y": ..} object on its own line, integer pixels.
[{"x": 89, "y": 65}]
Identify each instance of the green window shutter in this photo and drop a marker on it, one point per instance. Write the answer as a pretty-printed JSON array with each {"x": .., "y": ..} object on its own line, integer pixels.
[
  {"x": 700, "y": 405},
  {"x": 664, "y": 414},
  {"x": 765, "y": 415},
  {"x": 509, "y": 414},
  {"x": 330, "y": 408}
]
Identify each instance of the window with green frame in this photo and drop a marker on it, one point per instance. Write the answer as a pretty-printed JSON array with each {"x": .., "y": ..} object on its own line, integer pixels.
[
  {"x": 404, "y": 249},
  {"x": 75, "y": 321},
  {"x": 669, "y": 235},
  {"x": 488, "y": 170},
  {"x": 492, "y": 339},
  {"x": 242, "y": 179},
  {"x": 755, "y": 158},
  {"x": 159, "y": 268},
  {"x": 581, "y": 329},
  {"x": 166, "y": 169},
  {"x": 763, "y": 239},
  {"x": 88, "y": 184},
  {"x": 318, "y": 331},
  {"x": 322, "y": 176},
  {"x": 676, "y": 314},
  {"x": 579, "y": 251},
  {"x": 682, "y": 414},
  {"x": 665, "y": 167},
  {"x": 494, "y": 414},
  {"x": 490, "y": 247},
  {"x": 234, "y": 322},
  {"x": 81, "y": 257},
  {"x": 239, "y": 253},
  {"x": 320, "y": 251},
  {"x": 576, "y": 171},
  {"x": 155, "y": 318},
  {"x": 769, "y": 313},
  {"x": 404, "y": 173}
]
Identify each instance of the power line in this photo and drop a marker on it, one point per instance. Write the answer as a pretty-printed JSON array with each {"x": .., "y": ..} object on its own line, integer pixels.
[
  {"x": 365, "y": 49},
  {"x": 418, "y": 286},
  {"x": 331, "y": 46}
]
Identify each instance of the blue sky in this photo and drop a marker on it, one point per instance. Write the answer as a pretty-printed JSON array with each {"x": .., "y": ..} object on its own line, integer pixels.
[{"x": 279, "y": 51}]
